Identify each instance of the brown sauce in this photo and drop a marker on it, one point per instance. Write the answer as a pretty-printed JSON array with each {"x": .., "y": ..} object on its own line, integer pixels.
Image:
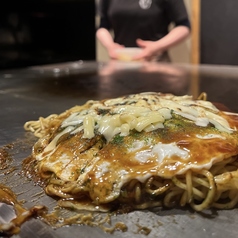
[
  {"x": 5, "y": 157},
  {"x": 22, "y": 214}
]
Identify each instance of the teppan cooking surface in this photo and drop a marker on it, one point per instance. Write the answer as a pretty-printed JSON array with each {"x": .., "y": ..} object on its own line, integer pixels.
[{"x": 29, "y": 93}]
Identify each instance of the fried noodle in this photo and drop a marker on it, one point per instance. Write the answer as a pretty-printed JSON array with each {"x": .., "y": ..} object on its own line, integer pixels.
[{"x": 202, "y": 188}]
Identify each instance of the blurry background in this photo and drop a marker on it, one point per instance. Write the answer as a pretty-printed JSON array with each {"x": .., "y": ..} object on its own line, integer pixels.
[
  {"x": 179, "y": 54},
  {"x": 46, "y": 31},
  {"x": 51, "y": 31}
]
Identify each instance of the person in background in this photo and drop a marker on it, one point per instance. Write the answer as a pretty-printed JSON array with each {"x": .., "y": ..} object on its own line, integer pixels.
[{"x": 144, "y": 24}]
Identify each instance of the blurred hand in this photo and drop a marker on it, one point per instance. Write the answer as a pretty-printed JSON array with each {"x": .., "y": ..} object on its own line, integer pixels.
[
  {"x": 149, "y": 52},
  {"x": 112, "y": 50}
]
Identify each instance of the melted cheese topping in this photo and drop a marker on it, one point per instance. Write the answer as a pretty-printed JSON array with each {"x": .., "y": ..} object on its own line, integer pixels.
[
  {"x": 108, "y": 143},
  {"x": 142, "y": 112}
]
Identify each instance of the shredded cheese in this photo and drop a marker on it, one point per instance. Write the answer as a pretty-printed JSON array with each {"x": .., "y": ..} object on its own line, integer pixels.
[{"x": 145, "y": 111}]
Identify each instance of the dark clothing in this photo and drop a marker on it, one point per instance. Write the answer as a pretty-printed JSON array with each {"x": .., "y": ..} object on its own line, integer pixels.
[{"x": 144, "y": 19}]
